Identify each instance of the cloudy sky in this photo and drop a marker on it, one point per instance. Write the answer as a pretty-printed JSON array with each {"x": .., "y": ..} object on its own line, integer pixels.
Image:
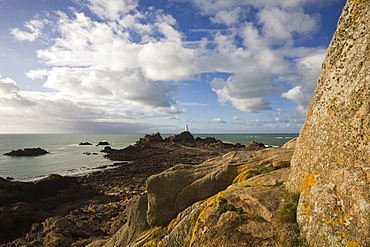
[{"x": 141, "y": 66}]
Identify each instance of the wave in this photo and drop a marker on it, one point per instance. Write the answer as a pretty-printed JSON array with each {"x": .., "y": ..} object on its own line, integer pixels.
[{"x": 77, "y": 172}]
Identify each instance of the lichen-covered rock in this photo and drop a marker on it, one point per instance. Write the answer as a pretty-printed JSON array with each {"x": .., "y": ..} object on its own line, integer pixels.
[
  {"x": 175, "y": 189},
  {"x": 330, "y": 166},
  {"x": 290, "y": 144},
  {"x": 242, "y": 214},
  {"x": 136, "y": 223}
]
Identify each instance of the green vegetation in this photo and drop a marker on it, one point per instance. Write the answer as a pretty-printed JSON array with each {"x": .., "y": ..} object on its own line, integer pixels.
[
  {"x": 228, "y": 207},
  {"x": 259, "y": 219},
  {"x": 286, "y": 222},
  {"x": 267, "y": 167}
]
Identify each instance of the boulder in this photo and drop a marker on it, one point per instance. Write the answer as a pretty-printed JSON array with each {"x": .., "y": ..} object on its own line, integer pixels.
[
  {"x": 27, "y": 152},
  {"x": 330, "y": 166},
  {"x": 255, "y": 146},
  {"x": 52, "y": 183}
]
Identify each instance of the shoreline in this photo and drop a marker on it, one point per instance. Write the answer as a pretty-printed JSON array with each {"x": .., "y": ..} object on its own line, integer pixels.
[{"x": 99, "y": 198}]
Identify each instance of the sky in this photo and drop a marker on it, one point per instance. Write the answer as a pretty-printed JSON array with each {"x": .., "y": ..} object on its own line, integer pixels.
[{"x": 142, "y": 66}]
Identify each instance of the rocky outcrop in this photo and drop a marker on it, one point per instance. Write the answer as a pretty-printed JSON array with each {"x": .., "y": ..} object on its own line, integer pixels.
[
  {"x": 290, "y": 144},
  {"x": 150, "y": 138},
  {"x": 330, "y": 166},
  {"x": 27, "y": 152},
  {"x": 85, "y": 144},
  {"x": 253, "y": 146},
  {"x": 136, "y": 222},
  {"x": 17, "y": 208},
  {"x": 103, "y": 143},
  {"x": 184, "y": 136},
  {"x": 195, "y": 206}
]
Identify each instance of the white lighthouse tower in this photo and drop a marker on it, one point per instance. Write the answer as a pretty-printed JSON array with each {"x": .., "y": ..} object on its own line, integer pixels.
[{"x": 186, "y": 128}]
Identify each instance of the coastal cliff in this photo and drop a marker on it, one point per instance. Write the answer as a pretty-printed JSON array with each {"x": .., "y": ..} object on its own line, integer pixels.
[{"x": 330, "y": 166}]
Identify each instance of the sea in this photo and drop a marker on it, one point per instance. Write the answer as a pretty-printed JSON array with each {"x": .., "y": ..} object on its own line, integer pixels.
[{"x": 67, "y": 158}]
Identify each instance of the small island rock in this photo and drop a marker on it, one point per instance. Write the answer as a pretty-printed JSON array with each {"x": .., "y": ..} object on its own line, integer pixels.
[
  {"x": 103, "y": 143},
  {"x": 27, "y": 152},
  {"x": 85, "y": 144}
]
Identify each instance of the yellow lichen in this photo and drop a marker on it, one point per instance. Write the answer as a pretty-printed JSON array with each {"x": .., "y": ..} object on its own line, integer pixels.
[
  {"x": 307, "y": 210},
  {"x": 342, "y": 234},
  {"x": 330, "y": 110},
  {"x": 352, "y": 244},
  {"x": 333, "y": 100},
  {"x": 243, "y": 174},
  {"x": 308, "y": 181},
  {"x": 340, "y": 217}
]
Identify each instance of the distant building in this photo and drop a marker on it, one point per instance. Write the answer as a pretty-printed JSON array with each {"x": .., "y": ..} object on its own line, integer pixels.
[{"x": 186, "y": 127}]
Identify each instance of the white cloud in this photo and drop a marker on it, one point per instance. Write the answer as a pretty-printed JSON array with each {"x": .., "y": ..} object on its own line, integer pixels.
[
  {"x": 166, "y": 61},
  {"x": 308, "y": 70},
  {"x": 128, "y": 57},
  {"x": 217, "y": 121},
  {"x": 34, "y": 30},
  {"x": 245, "y": 91},
  {"x": 279, "y": 25},
  {"x": 112, "y": 9},
  {"x": 227, "y": 17},
  {"x": 29, "y": 111},
  {"x": 8, "y": 87}
]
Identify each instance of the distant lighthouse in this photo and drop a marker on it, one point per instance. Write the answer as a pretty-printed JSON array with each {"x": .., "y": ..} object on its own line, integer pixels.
[{"x": 186, "y": 128}]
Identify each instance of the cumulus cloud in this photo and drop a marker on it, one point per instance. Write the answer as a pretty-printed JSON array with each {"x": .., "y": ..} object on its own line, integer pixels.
[
  {"x": 217, "y": 121},
  {"x": 8, "y": 87},
  {"x": 33, "y": 30},
  {"x": 112, "y": 9},
  {"x": 308, "y": 70},
  {"x": 133, "y": 58}
]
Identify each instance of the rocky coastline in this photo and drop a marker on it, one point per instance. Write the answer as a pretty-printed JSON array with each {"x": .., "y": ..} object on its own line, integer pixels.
[{"x": 93, "y": 206}]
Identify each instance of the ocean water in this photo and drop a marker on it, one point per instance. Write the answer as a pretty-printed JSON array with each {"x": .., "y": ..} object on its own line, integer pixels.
[{"x": 66, "y": 156}]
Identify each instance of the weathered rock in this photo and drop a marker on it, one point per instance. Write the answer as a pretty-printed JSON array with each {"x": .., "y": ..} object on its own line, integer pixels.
[
  {"x": 290, "y": 144},
  {"x": 52, "y": 183},
  {"x": 245, "y": 214},
  {"x": 184, "y": 136},
  {"x": 175, "y": 189},
  {"x": 27, "y": 152},
  {"x": 252, "y": 146},
  {"x": 330, "y": 166},
  {"x": 150, "y": 138},
  {"x": 241, "y": 215},
  {"x": 136, "y": 223}
]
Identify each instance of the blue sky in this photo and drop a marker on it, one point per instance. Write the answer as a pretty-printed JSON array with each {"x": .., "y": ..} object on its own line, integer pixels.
[{"x": 141, "y": 66}]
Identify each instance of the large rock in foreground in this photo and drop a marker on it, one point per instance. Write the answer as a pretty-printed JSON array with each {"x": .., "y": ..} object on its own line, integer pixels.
[
  {"x": 195, "y": 206},
  {"x": 331, "y": 164}
]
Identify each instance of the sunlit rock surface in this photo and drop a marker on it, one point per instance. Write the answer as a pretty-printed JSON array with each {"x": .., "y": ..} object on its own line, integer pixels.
[{"x": 331, "y": 164}]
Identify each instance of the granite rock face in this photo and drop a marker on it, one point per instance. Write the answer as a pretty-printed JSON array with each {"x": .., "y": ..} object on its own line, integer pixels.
[
  {"x": 331, "y": 163},
  {"x": 195, "y": 206}
]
